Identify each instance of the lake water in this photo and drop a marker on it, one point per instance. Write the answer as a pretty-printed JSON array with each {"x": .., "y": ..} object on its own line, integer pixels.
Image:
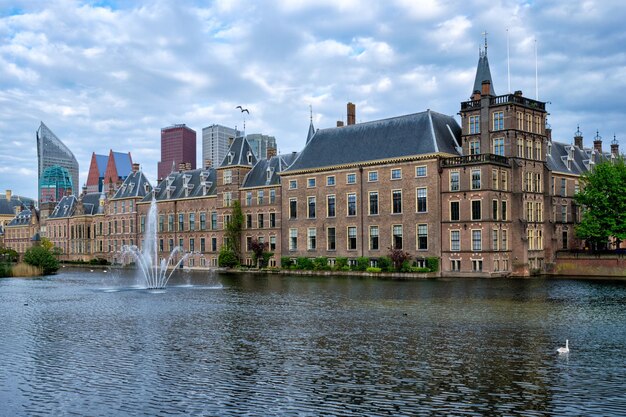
[{"x": 89, "y": 343}]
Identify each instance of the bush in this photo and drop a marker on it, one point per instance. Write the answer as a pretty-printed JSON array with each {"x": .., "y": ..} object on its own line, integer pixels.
[
  {"x": 42, "y": 258},
  {"x": 304, "y": 263},
  {"x": 227, "y": 258},
  {"x": 384, "y": 263},
  {"x": 362, "y": 263},
  {"x": 285, "y": 262},
  {"x": 321, "y": 264},
  {"x": 5, "y": 269},
  {"x": 341, "y": 263},
  {"x": 398, "y": 258},
  {"x": 432, "y": 264},
  {"x": 406, "y": 266},
  {"x": 99, "y": 261},
  {"x": 9, "y": 255},
  {"x": 266, "y": 258},
  {"x": 373, "y": 269},
  {"x": 419, "y": 269}
]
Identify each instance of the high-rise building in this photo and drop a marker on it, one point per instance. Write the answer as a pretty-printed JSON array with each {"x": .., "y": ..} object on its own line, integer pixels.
[
  {"x": 260, "y": 144},
  {"x": 54, "y": 158},
  {"x": 178, "y": 146},
  {"x": 215, "y": 142}
]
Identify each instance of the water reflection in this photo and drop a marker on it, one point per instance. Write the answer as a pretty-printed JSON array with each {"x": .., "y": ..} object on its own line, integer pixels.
[{"x": 235, "y": 344}]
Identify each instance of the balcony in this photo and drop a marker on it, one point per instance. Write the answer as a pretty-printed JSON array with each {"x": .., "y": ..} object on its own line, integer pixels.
[
  {"x": 506, "y": 99},
  {"x": 485, "y": 158}
]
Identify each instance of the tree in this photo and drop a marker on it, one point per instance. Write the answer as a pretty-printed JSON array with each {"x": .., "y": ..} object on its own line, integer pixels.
[
  {"x": 258, "y": 252},
  {"x": 234, "y": 228},
  {"x": 398, "y": 257},
  {"x": 227, "y": 258},
  {"x": 603, "y": 200},
  {"x": 46, "y": 244},
  {"x": 42, "y": 258}
]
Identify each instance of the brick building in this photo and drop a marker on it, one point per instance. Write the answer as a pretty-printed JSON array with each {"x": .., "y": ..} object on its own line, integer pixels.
[{"x": 178, "y": 146}]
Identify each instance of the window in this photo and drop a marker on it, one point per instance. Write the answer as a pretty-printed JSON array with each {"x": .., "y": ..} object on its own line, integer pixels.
[
  {"x": 372, "y": 176},
  {"x": 192, "y": 245},
  {"x": 171, "y": 244},
  {"x": 530, "y": 236},
  {"x": 330, "y": 238},
  {"x": 520, "y": 120},
  {"x": 213, "y": 220},
  {"x": 248, "y": 221},
  {"x": 455, "y": 240},
  {"x": 227, "y": 198},
  {"x": 228, "y": 176},
  {"x": 420, "y": 171},
  {"x": 529, "y": 149},
  {"x": 475, "y": 179},
  {"x": 142, "y": 225},
  {"x": 351, "y": 178},
  {"x": 293, "y": 184},
  {"x": 373, "y": 203},
  {"x": 539, "y": 212},
  {"x": 397, "y": 236},
  {"x": 474, "y": 124},
  {"x": 422, "y": 237},
  {"x": 330, "y": 206},
  {"x": 494, "y": 237},
  {"x": 161, "y": 224},
  {"x": 181, "y": 244},
  {"x": 330, "y": 180},
  {"x": 351, "y": 204},
  {"x": 396, "y": 174},
  {"x": 203, "y": 221},
  {"x": 202, "y": 245},
  {"x": 181, "y": 222},
  {"x": 293, "y": 239},
  {"x": 160, "y": 245},
  {"x": 249, "y": 198},
  {"x": 455, "y": 264},
  {"x": 272, "y": 219},
  {"x": 498, "y": 120},
  {"x": 396, "y": 198},
  {"x": 503, "y": 213},
  {"x": 311, "y": 207},
  {"x": 422, "y": 203},
  {"x": 454, "y": 180},
  {"x": 529, "y": 211},
  {"x": 373, "y": 237},
  {"x": 310, "y": 182},
  {"x": 498, "y": 146},
  {"x": 503, "y": 239},
  {"x": 477, "y": 240},
  {"x": 312, "y": 238},
  {"x": 538, "y": 154},
  {"x": 192, "y": 221},
  {"x": 260, "y": 197},
  {"x": 474, "y": 147},
  {"x": 477, "y": 265},
  {"x": 351, "y": 238},
  {"x": 272, "y": 196},
  {"x": 494, "y": 207},
  {"x": 455, "y": 212},
  {"x": 293, "y": 208},
  {"x": 272, "y": 243},
  {"x": 494, "y": 179},
  {"x": 576, "y": 187},
  {"x": 170, "y": 222},
  {"x": 563, "y": 187},
  {"x": 226, "y": 219},
  {"x": 213, "y": 244},
  {"x": 564, "y": 239},
  {"x": 260, "y": 219},
  {"x": 476, "y": 210},
  {"x": 520, "y": 147},
  {"x": 564, "y": 214},
  {"x": 504, "y": 180}
]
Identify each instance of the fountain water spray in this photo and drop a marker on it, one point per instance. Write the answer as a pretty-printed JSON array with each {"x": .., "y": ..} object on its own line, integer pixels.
[{"x": 155, "y": 274}]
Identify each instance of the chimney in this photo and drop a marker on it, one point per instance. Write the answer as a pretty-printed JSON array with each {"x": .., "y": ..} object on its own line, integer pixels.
[
  {"x": 339, "y": 123},
  {"x": 207, "y": 163},
  {"x": 597, "y": 142},
  {"x": 518, "y": 93},
  {"x": 271, "y": 152},
  {"x": 7, "y": 194},
  {"x": 614, "y": 147},
  {"x": 135, "y": 167},
  {"x": 351, "y": 113},
  {"x": 181, "y": 167},
  {"x": 475, "y": 96},
  {"x": 578, "y": 138},
  {"x": 187, "y": 166},
  {"x": 485, "y": 88}
]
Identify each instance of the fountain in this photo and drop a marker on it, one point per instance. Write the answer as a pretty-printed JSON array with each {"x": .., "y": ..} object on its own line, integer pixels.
[{"x": 155, "y": 274}]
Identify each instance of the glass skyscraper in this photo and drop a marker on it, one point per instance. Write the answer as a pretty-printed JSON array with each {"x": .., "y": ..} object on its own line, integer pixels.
[{"x": 51, "y": 152}]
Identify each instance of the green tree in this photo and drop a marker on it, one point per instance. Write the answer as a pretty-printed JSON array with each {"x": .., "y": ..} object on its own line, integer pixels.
[
  {"x": 234, "y": 228},
  {"x": 46, "y": 244},
  {"x": 227, "y": 258},
  {"x": 42, "y": 258},
  {"x": 259, "y": 253},
  {"x": 603, "y": 200}
]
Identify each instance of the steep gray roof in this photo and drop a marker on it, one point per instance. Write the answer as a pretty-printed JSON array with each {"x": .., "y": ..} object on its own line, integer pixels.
[
  {"x": 580, "y": 160},
  {"x": 23, "y": 218},
  {"x": 238, "y": 154},
  {"x": 311, "y": 132},
  {"x": 186, "y": 184},
  {"x": 64, "y": 208},
  {"x": 135, "y": 185},
  {"x": 483, "y": 73},
  {"x": 68, "y": 206},
  {"x": 413, "y": 134},
  {"x": 266, "y": 171},
  {"x": 8, "y": 206},
  {"x": 91, "y": 203}
]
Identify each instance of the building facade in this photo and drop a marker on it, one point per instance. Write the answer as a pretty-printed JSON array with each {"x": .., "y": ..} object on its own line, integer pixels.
[
  {"x": 108, "y": 171},
  {"x": 216, "y": 139},
  {"x": 178, "y": 146},
  {"x": 53, "y": 158}
]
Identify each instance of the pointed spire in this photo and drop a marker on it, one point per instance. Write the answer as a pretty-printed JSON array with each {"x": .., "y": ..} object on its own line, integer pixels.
[
  {"x": 483, "y": 73},
  {"x": 311, "y": 128}
]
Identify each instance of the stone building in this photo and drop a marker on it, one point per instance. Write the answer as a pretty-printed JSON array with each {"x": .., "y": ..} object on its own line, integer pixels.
[{"x": 22, "y": 232}]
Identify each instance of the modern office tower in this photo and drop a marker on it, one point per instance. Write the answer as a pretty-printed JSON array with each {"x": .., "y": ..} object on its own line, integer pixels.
[
  {"x": 178, "y": 146},
  {"x": 216, "y": 140},
  {"x": 105, "y": 171},
  {"x": 260, "y": 144},
  {"x": 52, "y": 154}
]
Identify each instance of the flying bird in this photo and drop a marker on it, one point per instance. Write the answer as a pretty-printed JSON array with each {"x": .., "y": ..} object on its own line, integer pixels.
[{"x": 242, "y": 109}]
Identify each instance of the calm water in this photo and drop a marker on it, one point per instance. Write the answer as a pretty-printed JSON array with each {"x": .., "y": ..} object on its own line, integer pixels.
[{"x": 88, "y": 343}]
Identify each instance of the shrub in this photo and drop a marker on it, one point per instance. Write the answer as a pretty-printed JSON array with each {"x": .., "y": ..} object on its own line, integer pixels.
[
  {"x": 99, "y": 261},
  {"x": 341, "y": 263},
  {"x": 406, "y": 266},
  {"x": 384, "y": 263},
  {"x": 266, "y": 258},
  {"x": 42, "y": 258},
  {"x": 285, "y": 262},
  {"x": 9, "y": 255},
  {"x": 321, "y": 264},
  {"x": 432, "y": 264},
  {"x": 419, "y": 269},
  {"x": 5, "y": 270},
  {"x": 399, "y": 257},
  {"x": 304, "y": 263},
  {"x": 227, "y": 258},
  {"x": 362, "y": 263},
  {"x": 373, "y": 269}
]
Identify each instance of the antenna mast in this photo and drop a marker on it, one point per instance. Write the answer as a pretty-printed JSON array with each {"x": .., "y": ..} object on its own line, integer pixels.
[
  {"x": 508, "y": 60},
  {"x": 536, "y": 73}
]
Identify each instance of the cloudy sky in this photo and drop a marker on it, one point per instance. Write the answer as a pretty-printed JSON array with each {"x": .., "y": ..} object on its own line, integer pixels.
[{"x": 111, "y": 74}]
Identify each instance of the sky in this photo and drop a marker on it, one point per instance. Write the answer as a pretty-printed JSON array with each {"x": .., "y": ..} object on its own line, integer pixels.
[{"x": 110, "y": 74}]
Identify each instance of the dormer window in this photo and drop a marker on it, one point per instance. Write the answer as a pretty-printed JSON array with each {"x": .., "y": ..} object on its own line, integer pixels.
[
  {"x": 269, "y": 174},
  {"x": 230, "y": 157},
  {"x": 249, "y": 157}
]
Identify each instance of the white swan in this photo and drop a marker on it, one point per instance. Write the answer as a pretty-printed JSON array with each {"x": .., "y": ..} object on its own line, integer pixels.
[{"x": 564, "y": 349}]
